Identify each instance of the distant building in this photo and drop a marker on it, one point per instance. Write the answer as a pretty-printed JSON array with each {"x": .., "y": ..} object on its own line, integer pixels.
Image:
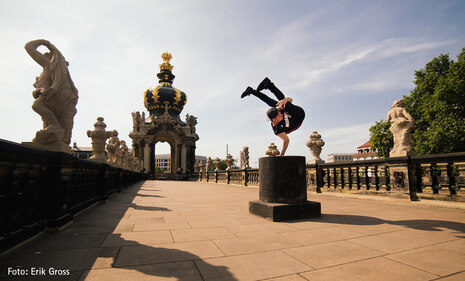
[
  {"x": 364, "y": 152},
  {"x": 339, "y": 157},
  {"x": 81, "y": 152},
  {"x": 163, "y": 161}
]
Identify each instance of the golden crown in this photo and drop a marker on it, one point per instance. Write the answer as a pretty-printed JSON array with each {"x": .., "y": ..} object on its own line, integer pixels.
[{"x": 166, "y": 64}]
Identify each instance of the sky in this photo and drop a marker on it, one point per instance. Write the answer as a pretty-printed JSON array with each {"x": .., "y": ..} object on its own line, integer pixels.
[{"x": 344, "y": 62}]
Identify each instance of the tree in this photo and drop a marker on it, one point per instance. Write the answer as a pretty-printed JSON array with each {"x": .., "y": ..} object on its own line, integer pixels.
[
  {"x": 437, "y": 103},
  {"x": 381, "y": 138}
]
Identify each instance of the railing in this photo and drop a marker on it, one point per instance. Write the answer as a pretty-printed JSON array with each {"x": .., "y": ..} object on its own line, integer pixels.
[
  {"x": 245, "y": 177},
  {"x": 41, "y": 189},
  {"x": 438, "y": 176}
]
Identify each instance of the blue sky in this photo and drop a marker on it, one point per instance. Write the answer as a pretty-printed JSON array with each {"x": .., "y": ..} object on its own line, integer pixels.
[{"x": 344, "y": 62}]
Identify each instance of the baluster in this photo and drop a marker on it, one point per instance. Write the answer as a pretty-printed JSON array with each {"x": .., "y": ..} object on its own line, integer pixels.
[
  {"x": 367, "y": 178},
  {"x": 434, "y": 173},
  {"x": 419, "y": 177},
  {"x": 342, "y": 178},
  {"x": 328, "y": 177},
  {"x": 357, "y": 170},
  {"x": 376, "y": 177},
  {"x": 335, "y": 178},
  {"x": 320, "y": 174},
  {"x": 452, "y": 172},
  {"x": 349, "y": 175}
]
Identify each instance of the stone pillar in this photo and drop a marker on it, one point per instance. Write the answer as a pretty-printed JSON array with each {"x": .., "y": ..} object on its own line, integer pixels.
[
  {"x": 283, "y": 190},
  {"x": 147, "y": 157},
  {"x": 402, "y": 177}
]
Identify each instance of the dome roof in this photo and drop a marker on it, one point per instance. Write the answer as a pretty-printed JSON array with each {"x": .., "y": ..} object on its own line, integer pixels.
[{"x": 165, "y": 95}]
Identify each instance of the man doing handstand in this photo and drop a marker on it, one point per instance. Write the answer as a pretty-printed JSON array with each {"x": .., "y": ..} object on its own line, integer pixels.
[{"x": 285, "y": 117}]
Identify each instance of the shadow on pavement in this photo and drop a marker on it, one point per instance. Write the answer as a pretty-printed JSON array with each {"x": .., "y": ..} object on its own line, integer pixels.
[
  {"x": 78, "y": 248},
  {"x": 428, "y": 225}
]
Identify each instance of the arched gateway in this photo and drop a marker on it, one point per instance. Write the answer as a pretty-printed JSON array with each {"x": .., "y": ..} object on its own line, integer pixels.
[{"x": 165, "y": 103}]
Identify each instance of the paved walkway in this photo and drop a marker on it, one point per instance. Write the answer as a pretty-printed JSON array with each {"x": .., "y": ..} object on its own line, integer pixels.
[{"x": 162, "y": 230}]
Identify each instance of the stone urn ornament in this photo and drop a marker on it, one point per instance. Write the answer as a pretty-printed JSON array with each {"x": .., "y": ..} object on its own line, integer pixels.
[
  {"x": 99, "y": 138},
  {"x": 217, "y": 163},
  {"x": 229, "y": 160},
  {"x": 272, "y": 150},
  {"x": 315, "y": 144}
]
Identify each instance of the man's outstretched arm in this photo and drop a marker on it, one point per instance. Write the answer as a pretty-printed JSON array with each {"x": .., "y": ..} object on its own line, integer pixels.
[{"x": 285, "y": 139}]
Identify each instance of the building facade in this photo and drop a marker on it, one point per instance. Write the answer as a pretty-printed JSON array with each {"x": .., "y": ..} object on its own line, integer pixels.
[
  {"x": 339, "y": 157},
  {"x": 163, "y": 161},
  {"x": 364, "y": 152}
]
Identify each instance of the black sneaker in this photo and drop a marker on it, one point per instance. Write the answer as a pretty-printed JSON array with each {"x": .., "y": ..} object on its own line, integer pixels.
[
  {"x": 265, "y": 84},
  {"x": 247, "y": 92}
]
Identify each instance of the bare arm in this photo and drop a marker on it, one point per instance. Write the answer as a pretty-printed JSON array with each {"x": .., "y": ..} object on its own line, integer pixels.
[
  {"x": 282, "y": 103},
  {"x": 285, "y": 139},
  {"x": 31, "y": 49}
]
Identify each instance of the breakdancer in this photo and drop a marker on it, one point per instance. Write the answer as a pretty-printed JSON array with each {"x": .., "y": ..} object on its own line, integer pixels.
[{"x": 285, "y": 117}]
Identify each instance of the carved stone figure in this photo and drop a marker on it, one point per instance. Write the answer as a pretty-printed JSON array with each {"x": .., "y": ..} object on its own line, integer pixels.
[
  {"x": 113, "y": 149},
  {"x": 402, "y": 125},
  {"x": 315, "y": 144},
  {"x": 272, "y": 150},
  {"x": 99, "y": 138},
  {"x": 124, "y": 154},
  {"x": 55, "y": 95},
  {"x": 245, "y": 157}
]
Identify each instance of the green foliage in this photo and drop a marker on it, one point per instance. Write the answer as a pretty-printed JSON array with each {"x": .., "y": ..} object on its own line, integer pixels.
[
  {"x": 158, "y": 170},
  {"x": 381, "y": 138},
  {"x": 222, "y": 166},
  {"x": 437, "y": 103}
]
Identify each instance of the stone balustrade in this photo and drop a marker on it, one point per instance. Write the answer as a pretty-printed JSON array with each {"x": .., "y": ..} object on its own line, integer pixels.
[
  {"x": 437, "y": 176},
  {"x": 43, "y": 190}
]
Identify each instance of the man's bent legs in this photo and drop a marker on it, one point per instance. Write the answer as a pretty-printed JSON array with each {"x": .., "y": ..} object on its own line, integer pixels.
[{"x": 271, "y": 102}]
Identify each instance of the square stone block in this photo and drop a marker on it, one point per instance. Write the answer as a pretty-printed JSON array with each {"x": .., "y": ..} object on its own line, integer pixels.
[{"x": 285, "y": 211}]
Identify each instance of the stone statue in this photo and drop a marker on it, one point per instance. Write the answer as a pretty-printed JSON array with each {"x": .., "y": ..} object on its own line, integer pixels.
[
  {"x": 136, "y": 120},
  {"x": 113, "y": 149},
  {"x": 55, "y": 95},
  {"x": 402, "y": 125},
  {"x": 272, "y": 150},
  {"x": 99, "y": 138},
  {"x": 315, "y": 144},
  {"x": 245, "y": 157},
  {"x": 124, "y": 154},
  {"x": 209, "y": 163}
]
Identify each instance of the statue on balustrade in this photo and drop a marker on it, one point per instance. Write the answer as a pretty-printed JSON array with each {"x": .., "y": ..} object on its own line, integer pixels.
[
  {"x": 113, "y": 149},
  {"x": 245, "y": 157},
  {"x": 402, "y": 125},
  {"x": 55, "y": 94},
  {"x": 124, "y": 154}
]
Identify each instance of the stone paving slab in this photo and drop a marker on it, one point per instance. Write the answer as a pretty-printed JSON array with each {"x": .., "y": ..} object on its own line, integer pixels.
[{"x": 165, "y": 230}]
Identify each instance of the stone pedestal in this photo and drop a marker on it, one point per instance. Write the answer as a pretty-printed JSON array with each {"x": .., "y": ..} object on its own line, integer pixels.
[
  {"x": 283, "y": 190},
  {"x": 402, "y": 178}
]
